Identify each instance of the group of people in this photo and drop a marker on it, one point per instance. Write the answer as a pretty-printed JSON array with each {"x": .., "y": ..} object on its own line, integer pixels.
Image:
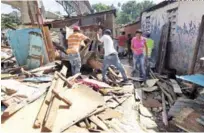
[
  {"x": 137, "y": 46},
  {"x": 139, "y": 49}
]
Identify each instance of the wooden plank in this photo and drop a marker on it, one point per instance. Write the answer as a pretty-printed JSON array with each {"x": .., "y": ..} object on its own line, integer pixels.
[
  {"x": 161, "y": 86},
  {"x": 50, "y": 48},
  {"x": 170, "y": 90},
  {"x": 151, "y": 82},
  {"x": 109, "y": 114},
  {"x": 23, "y": 119},
  {"x": 186, "y": 120},
  {"x": 43, "y": 109},
  {"x": 162, "y": 48},
  {"x": 175, "y": 86},
  {"x": 84, "y": 102},
  {"x": 76, "y": 129},
  {"x": 54, "y": 105},
  {"x": 149, "y": 89},
  {"x": 98, "y": 122},
  {"x": 184, "y": 103},
  {"x": 197, "y": 45},
  {"x": 164, "y": 113},
  {"x": 17, "y": 106},
  {"x": 151, "y": 103}
]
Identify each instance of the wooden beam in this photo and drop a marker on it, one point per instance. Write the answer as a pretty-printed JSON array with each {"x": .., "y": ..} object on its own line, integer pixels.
[
  {"x": 164, "y": 113},
  {"x": 43, "y": 109},
  {"x": 98, "y": 122},
  {"x": 161, "y": 86},
  {"x": 54, "y": 105}
]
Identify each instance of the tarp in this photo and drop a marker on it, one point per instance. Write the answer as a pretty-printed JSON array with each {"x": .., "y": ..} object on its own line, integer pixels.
[{"x": 196, "y": 79}]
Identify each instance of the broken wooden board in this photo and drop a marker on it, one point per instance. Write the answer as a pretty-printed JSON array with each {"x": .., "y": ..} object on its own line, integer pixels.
[
  {"x": 175, "y": 86},
  {"x": 98, "y": 122},
  {"x": 42, "y": 112},
  {"x": 186, "y": 120},
  {"x": 76, "y": 129},
  {"x": 115, "y": 101},
  {"x": 145, "y": 116},
  {"x": 138, "y": 94},
  {"x": 11, "y": 85},
  {"x": 109, "y": 114},
  {"x": 43, "y": 68},
  {"x": 151, "y": 82},
  {"x": 151, "y": 103},
  {"x": 164, "y": 113},
  {"x": 164, "y": 90},
  {"x": 149, "y": 89},
  {"x": 32, "y": 97},
  {"x": 84, "y": 101},
  {"x": 184, "y": 103},
  {"x": 23, "y": 119},
  {"x": 96, "y": 83},
  {"x": 54, "y": 104}
]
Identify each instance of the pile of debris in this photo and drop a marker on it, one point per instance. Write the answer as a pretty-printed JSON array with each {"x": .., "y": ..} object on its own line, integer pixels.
[
  {"x": 80, "y": 99},
  {"x": 173, "y": 101}
]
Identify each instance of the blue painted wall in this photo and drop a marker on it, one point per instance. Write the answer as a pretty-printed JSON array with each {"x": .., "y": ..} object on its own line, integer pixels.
[{"x": 20, "y": 44}]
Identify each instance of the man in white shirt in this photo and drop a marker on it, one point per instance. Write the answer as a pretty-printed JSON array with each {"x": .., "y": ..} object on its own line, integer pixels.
[{"x": 110, "y": 56}]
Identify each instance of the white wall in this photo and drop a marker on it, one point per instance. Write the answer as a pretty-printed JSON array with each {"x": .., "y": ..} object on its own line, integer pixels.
[
  {"x": 189, "y": 16},
  {"x": 189, "y": 19}
]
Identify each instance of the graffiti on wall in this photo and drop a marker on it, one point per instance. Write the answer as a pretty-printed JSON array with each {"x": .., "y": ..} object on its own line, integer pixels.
[
  {"x": 155, "y": 33},
  {"x": 183, "y": 46}
]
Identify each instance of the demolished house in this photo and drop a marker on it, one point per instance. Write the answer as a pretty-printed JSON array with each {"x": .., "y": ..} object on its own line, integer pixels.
[{"x": 39, "y": 94}]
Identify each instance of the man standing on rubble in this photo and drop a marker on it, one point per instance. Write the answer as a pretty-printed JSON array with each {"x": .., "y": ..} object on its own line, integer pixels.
[
  {"x": 111, "y": 55},
  {"x": 74, "y": 42},
  {"x": 138, "y": 46}
]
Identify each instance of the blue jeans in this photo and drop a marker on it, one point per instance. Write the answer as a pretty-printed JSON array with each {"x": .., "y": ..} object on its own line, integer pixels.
[
  {"x": 75, "y": 61},
  {"x": 140, "y": 60},
  {"x": 113, "y": 60}
]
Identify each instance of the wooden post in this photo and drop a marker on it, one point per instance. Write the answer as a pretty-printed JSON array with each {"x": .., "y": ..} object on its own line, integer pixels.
[{"x": 197, "y": 45}]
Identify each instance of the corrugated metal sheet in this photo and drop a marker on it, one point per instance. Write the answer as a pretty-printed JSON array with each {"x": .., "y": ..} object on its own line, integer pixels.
[{"x": 23, "y": 42}]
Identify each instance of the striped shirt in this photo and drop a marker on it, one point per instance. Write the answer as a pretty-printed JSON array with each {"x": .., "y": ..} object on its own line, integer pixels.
[{"x": 74, "y": 41}]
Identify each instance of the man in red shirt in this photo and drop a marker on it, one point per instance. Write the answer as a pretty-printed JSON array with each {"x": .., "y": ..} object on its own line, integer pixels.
[{"x": 122, "y": 43}]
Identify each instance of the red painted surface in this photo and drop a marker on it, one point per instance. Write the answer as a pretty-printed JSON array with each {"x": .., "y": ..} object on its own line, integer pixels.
[{"x": 131, "y": 29}]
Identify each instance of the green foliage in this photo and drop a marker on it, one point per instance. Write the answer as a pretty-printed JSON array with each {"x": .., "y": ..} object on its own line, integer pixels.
[
  {"x": 131, "y": 10},
  {"x": 9, "y": 20},
  {"x": 123, "y": 18},
  {"x": 101, "y": 7}
]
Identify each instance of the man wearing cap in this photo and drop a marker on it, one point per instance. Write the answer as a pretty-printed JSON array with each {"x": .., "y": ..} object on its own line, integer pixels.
[
  {"x": 74, "y": 42},
  {"x": 138, "y": 45},
  {"x": 111, "y": 55}
]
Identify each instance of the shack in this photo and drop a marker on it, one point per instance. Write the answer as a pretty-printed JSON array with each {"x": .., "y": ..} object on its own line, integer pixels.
[
  {"x": 185, "y": 18},
  {"x": 106, "y": 19}
]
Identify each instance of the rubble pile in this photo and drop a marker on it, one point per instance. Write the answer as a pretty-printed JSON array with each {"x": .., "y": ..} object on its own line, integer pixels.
[
  {"x": 81, "y": 100},
  {"x": 172, "y": 102}
]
